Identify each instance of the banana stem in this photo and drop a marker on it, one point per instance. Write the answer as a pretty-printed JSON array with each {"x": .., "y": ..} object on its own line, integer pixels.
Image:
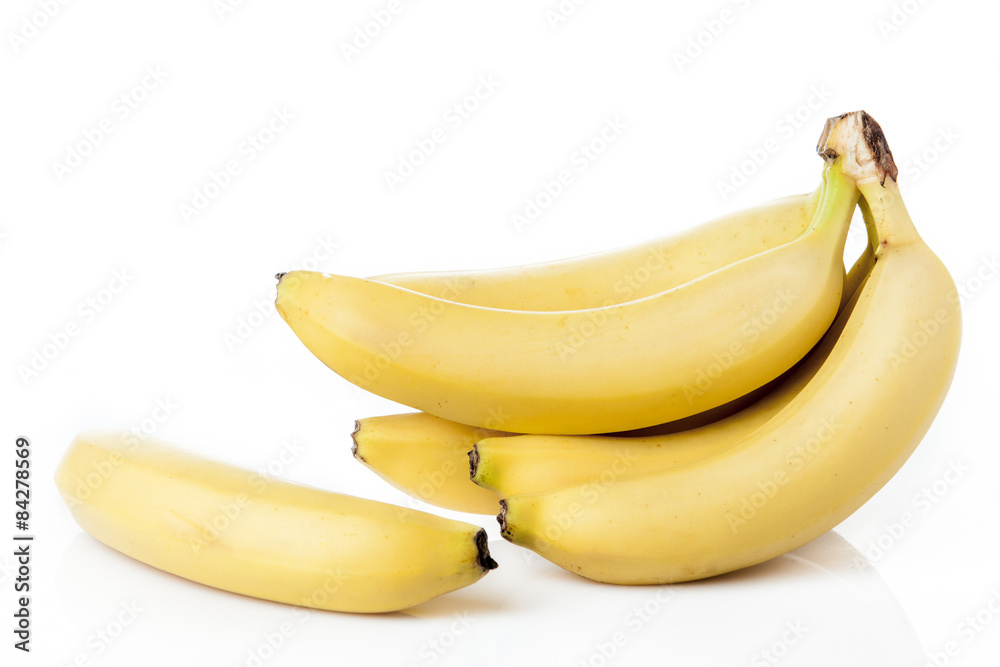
[
  {"x": 870, "y": 228},
  {"x": 838, "y": 199},
  {"x": 892, "y": 224},
  {"x": 855, "y": 142}
]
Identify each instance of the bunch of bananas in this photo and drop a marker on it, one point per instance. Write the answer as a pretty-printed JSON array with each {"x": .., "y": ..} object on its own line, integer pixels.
[{"x": 656, "y": 414}]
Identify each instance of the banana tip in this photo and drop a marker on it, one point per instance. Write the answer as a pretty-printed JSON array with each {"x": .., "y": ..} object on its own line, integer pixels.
[
  {"x": 354, "y": 441},
  {"x": 483, "y": 546},
  {"x": 502, "y": 520},
  {"x": 473, "y": 462}
]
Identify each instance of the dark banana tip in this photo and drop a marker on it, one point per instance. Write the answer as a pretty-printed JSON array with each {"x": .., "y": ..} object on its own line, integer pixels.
[
  {"x": 277, "y": 276},
  {"x": 473, "y": 462},
  {"x": 502, "y": 520},
  {"x": 484, "y": 559}
]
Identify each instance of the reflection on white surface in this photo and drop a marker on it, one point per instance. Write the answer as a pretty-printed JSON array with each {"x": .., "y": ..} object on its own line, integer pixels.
[{"x": 822, "y": 604}]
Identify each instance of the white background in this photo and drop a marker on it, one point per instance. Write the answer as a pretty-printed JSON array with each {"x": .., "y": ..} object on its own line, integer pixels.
[{"x": 772, "y": 71}]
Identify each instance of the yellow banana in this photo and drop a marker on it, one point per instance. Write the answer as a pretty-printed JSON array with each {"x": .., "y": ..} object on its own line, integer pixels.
[
  {"x": 842, "y": 437},
  {"x": 237, "y": 530},
  {"x": 624, "y": 274},
  {"x": 631, "y": 365},
  {"x": 426, "y": 457}
]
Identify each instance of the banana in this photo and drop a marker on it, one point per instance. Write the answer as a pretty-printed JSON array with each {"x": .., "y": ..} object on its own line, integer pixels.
[
  {"x": 624, "y": 274},
  {"x": 843, "y": 436},
  {"x": 426, "y": 457},
  {"x": 239, "y": 531},
  {"x": 523, "y": 464},
  {"x": 627, "y": 366}
]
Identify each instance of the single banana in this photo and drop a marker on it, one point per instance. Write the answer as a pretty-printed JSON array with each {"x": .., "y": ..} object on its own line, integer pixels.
[
  {"x": 237, "y": 530},
  {"x": 842, "y": 437},
  {"x": 523, "y": 464},
  {"x": 627, "y": 366},
  {"x": 624, "y": 274},
  {"x": 426, "y": 457}
]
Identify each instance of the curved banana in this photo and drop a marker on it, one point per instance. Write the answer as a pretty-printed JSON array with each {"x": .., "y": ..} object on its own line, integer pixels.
[
  {"x": 237, "y": 530},
  {"x": 523, "y": 464},
  {"x": 842, "y": 437},
  {"x": 426, "y": 457},
  {"x": 627, "y": 366},
  {"x": 624, "y": 274}
]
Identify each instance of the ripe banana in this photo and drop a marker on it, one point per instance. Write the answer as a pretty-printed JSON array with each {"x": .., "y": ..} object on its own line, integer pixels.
[
  {"x": 813, "y": 464},
  {"x": 644, "y": 362},
  {"x": 236, "y": 530},
  {"x": 426, "y": 457},
  {"x": 625, "y": 274}
]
